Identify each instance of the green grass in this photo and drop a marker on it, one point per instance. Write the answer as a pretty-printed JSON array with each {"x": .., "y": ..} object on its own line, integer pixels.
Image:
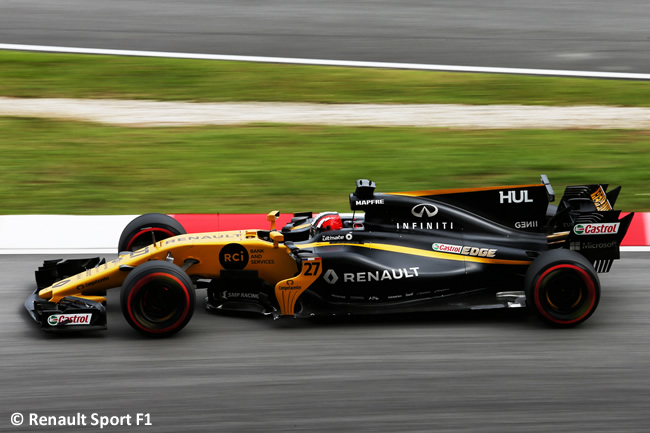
[
  {"x": 52, "y": 166},
  {"x": 57, "y": 167},
  {"x": 38, "y": 75}
]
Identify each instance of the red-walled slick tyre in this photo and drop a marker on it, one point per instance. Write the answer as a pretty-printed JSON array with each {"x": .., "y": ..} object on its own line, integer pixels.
[
  {"x": 562, "y": 287},
  {"x": 138, "y": 233},
  {"x": 158, "y": 298}
]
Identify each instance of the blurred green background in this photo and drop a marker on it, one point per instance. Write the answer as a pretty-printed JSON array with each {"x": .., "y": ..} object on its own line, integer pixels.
[{"x": 51, "y": 166}]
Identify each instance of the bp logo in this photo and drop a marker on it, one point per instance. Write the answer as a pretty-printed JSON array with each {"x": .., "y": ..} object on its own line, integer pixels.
[{"x": 233, "y": 256}]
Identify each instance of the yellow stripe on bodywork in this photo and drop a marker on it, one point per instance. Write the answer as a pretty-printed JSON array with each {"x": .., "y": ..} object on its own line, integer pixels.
[{"x": 419, "y": 252}]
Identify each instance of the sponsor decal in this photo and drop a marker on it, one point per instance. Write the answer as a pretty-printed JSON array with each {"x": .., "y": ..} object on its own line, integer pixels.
[
  {"x": 385, "y": 275},
  {"x": 239, "y": 295},
  {"x": 69, "y": 319},
  {"x": 513, "y": 196},
  {"x": 140, "y": 252},
  {"x": 369, "y": 202},
  {"x": 424, "y": 210},
  {"x": 600, "y": 200},
  {"x": 257, "y": 257},
  {"x": 465, "y": 250},
  {"x": 233, "y": 256},
  {"x": 262, "y": 262},
  {"x": 92, "y": 283},
  {"x": 596, "y": 229},
  {"x": 330, "y": 276},
  {"x": 526, "y": 224},
  {"x": 201, "y": 237},
  {"x": 338, "y": 238},
  {"x": 445, "y": 248},
  {"x": 443, "y": 225},
  {"x": 61, "y": 283},
  {"x": 577, "y": 246}
]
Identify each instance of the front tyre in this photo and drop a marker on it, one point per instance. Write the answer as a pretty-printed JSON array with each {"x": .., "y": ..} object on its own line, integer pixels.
[
  {"x": 157, "y": 298},
  {"x": 562, "y": 287},
  {"x": 138, "y": 233}
]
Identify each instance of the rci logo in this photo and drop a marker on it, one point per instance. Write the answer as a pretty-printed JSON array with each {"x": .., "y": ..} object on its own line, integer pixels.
[{"x": 233, "y": 256}]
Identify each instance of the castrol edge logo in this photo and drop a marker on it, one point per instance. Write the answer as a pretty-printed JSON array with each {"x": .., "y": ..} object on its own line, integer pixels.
[
  {"x": 596, "y": 229},
  {"x": 464, "y": 250},
  {"x": 69, "y": 319}
]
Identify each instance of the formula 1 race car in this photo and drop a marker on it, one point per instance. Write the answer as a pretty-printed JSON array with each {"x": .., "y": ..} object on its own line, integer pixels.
[{"x": 488, "y": 247}]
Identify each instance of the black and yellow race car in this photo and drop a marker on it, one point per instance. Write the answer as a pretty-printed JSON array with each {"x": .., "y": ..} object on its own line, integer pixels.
[{"x": 487, "y": 247}]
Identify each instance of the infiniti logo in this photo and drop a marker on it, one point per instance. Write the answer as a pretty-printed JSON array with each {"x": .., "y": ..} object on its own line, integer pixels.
[{"x": 420, "y": 209}]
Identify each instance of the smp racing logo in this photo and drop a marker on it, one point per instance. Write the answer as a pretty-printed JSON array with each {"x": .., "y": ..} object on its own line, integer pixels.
[{"x": 596, "y": 229}]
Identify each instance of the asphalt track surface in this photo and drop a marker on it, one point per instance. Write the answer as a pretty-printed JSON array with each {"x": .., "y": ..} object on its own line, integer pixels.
[
  {"x": 491, "y": 371},
  {"x": 589, "y": 35}
]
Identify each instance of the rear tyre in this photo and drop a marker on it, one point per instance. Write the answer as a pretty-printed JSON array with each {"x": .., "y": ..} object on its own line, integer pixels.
[
  {"x": 562, "y": 287},
  {"x": 134, "y": 237},
  {"x": 158, "y": 298}
]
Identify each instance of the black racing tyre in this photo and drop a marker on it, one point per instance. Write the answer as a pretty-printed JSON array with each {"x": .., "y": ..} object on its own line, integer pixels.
[
  {"x": 134, "y": 237},
  {"x": 158, "y": 298},
  {"x": 562, "y": 287}
]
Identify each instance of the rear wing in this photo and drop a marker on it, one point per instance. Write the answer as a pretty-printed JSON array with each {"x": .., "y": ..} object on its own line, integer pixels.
[
  {"x": 586, "y": 222},
  {"x": 521, "y": 207}
]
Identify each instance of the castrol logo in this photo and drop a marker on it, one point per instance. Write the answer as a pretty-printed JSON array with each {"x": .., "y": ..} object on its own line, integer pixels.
[
  {"x": 447, "y": 248},
  {"x": 596, "y": 229},
  {"x": 69, "y": 319}
]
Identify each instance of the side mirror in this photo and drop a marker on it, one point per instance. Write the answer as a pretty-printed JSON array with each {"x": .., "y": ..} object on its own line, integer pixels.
[
  {"x": 277, "y": 237},
  {"x": 272, "y": 217}
]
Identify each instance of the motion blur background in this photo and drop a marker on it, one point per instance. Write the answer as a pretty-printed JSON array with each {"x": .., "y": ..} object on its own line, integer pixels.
[{"x": 449, "y": 372}]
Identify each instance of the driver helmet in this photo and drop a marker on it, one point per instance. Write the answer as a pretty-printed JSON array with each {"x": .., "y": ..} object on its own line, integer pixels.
[{"x": 326, "y": 221}]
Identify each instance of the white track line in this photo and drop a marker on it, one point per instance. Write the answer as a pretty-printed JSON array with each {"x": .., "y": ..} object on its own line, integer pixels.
[{"x": 322, "y": 62}]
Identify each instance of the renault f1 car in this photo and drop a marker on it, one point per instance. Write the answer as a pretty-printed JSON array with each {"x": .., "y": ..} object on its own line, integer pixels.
[{"x": 487, "y": 247}]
